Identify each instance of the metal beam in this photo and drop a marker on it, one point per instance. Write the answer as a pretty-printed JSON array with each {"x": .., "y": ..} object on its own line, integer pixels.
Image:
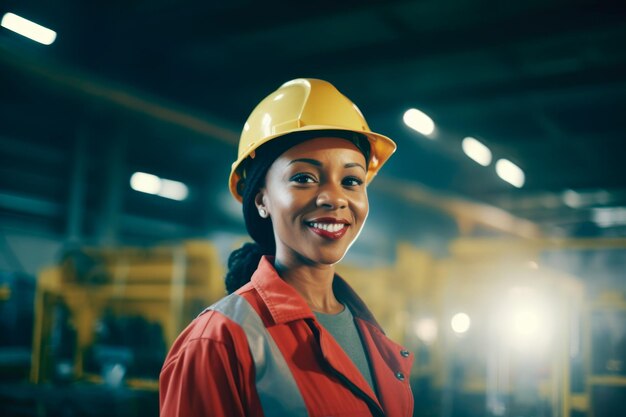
[
  {"x": 76, "y": 204},
  {"x": 30, "y": 205},
  {"x": 113, "y": 195},
  {"x": 467, "y": 213},
  {"x": 119, "y": 96}
]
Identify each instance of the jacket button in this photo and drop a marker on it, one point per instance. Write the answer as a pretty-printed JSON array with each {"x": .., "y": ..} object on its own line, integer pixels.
[
  {"x": 400, "y": 376},
  {"x": 404, "y": 353}
]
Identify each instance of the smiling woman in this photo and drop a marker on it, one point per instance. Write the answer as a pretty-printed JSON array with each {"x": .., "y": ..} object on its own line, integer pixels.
[
  {"x": 315, "y": 195},
  {"x": 293, "y": 338}
]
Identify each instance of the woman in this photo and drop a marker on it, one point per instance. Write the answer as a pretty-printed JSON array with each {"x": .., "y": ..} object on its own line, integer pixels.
[{"x": 292, "y": 338}]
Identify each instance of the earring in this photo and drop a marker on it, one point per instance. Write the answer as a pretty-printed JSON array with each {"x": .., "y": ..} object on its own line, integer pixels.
[{"x": 262, "y": 212}]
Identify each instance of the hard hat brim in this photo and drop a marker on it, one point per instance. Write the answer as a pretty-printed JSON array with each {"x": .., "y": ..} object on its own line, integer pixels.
[{"x": 381, "y": 146}]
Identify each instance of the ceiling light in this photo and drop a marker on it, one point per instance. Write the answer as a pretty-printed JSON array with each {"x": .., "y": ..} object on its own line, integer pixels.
[
  {"x": 609, "y": 216},
  {"x": 173, "y": 190},
  {"x": 572, "y": 199},
  {"x": 476, "y": 151},
  {"x": 145, "y": 183},
  {"x": 419, "y": 121},
  {"x": 586, "y": 198},
  {"x": 28, "y": 29},
  {"x": 510, "y": 173},
  {"x": 151, "y": 184}
]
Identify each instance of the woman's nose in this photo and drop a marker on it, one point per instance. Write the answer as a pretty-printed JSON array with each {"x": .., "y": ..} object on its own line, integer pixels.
[{"x": 332, "y": 197}]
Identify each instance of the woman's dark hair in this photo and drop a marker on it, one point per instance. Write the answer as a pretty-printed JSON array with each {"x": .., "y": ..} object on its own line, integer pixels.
[{"x": 243, "y": 262}]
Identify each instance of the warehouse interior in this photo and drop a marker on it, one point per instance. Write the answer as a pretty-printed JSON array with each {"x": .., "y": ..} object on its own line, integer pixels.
[{"x": 510, "y": 292}]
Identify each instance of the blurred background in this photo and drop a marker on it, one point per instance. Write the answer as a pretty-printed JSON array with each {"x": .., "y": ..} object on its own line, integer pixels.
[{"x": 495, "y": 248}]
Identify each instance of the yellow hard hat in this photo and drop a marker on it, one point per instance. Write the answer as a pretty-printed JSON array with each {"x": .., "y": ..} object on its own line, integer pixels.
[{"x": 305, "y": 105}]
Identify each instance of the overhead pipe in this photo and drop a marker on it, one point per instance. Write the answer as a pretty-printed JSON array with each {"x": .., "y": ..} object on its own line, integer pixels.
[{"x": 119, "y": 96}]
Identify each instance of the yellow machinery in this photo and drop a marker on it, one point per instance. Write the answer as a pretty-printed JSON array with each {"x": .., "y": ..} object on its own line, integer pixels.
[
  {"x": 162, "y": 287},
  {"x": 605, "y": 340},
  {"x": 507, "y": 326},
  {"x": 499, "y": 327},
  {"x": 505, "y": 323}
]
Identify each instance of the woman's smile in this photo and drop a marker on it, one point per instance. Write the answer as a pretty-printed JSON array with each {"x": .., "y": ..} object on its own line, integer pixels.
[{"x": 328, "y": 227}]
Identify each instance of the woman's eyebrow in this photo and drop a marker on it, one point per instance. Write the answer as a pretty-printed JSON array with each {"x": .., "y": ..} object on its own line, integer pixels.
[
  {"x": 355, "y": 164},
  {"x": 308, "y": 161},
  {"x": 319, "y": 164}
]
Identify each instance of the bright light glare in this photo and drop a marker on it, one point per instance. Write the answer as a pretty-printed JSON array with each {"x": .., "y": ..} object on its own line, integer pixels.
[
  {"x": 526, "y": 320},
  {"x": 526, "y": 323},
  {"x": 151, "y": 184},
  {"x": 419, "y": 121},
  {"x": 476, "y": 151},
  {"x": 529, "y": 328},
  {"x": 29, "y": 29},
  {"x": 426, "y": 330},
  {"x": 145, "y": 183},
  {"x": 460, "y": 323},
  {"x": 173, "y": 190},
  {"x": 510, "y": 173}
]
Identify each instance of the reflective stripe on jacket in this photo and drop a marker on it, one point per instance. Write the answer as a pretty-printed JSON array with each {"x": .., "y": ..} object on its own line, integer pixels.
[
  {"x": 275, "y": 385},
  {"x": 211, "y": 371}
]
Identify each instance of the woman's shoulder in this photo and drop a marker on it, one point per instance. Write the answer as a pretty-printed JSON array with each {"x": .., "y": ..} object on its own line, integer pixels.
[
  {"x": 205, "y": 337},
  {"x": 210, "y": 325},
  {"x": 215, "y": 323}
]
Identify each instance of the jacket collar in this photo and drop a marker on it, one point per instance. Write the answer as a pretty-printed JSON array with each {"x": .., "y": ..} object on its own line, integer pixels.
[
  {"x": 285, "y": 304},
  {"x": 282, "y": 300}
]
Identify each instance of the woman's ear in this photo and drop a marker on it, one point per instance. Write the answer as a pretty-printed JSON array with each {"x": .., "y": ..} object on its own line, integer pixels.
[{"x": 259, "y": 202}]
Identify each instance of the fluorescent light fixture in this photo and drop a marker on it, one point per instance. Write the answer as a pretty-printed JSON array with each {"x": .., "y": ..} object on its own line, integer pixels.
[
  {"x": 578, "y": 199},
  {"x": 145, "y": 183},
  {"x": 419, "y": 121},
  {"x": 460, "y": 323},
  {"x": 476, "y": 151},
  {"x": 609, "y": 216},
  {"x": 151, "y": 184},
  {"x": 572, "y": 199},
  {"x": 173, "y": 190},
  {"x": 510, "y": 173},
  {"x": 29, "y": 29}
]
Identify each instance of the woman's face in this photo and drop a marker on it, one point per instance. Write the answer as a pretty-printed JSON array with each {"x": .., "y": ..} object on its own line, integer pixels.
[{"x": 315, "y": 195}]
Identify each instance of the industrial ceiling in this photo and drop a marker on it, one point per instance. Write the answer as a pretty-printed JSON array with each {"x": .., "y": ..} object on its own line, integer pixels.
[{"x": 165, "y": 86}]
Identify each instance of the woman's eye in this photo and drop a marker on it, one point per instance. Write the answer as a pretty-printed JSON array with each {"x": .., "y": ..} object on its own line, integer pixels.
[
  {"x": 352, "y": 181},
  {"x": 302, "y": 179}
]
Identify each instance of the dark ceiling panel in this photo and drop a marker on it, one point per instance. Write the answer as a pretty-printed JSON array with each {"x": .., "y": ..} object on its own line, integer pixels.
[{"x": 541, "y": 82}]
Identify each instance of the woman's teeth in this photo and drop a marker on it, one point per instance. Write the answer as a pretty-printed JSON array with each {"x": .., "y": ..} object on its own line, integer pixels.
[{"x": 329, "y": 227}]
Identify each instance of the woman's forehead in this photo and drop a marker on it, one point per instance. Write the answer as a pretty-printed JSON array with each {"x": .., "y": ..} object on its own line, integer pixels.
[{"x": 321, "y": 145}]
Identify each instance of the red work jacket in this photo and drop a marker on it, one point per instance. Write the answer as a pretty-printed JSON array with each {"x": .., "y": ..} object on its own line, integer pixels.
[{"x": 209, "y": 370}]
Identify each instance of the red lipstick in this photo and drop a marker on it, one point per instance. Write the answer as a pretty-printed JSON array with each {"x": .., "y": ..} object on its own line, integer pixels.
[{"x": 328, "y": 227}]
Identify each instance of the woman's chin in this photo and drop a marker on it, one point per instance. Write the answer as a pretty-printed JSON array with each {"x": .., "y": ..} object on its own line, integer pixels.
[{"x": 329, "y": 258}]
